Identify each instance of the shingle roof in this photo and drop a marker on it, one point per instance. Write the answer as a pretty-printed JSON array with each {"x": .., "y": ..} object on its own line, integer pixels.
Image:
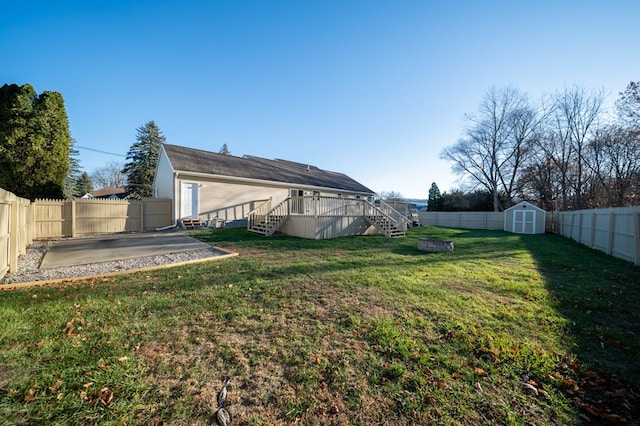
[
  {"x": 199, "y": 161},
  {"x": 108, "y": 191}
]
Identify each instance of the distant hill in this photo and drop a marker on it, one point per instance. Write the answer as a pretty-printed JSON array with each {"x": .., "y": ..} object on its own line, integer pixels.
[{"x": 417, "y": 202}]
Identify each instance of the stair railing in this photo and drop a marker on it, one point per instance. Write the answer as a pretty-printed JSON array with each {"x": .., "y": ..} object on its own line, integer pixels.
[
  {"x": 371, "y": 210},
  {"x": 402, "y": 221},
  {"x": 256, "y": 215}
]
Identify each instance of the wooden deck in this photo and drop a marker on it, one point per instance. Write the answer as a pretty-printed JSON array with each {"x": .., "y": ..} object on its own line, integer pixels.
[{"x": 321, "y": 217}]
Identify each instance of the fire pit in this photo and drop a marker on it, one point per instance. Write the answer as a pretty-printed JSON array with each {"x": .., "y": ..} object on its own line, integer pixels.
[{"x": 435, "y": 245}]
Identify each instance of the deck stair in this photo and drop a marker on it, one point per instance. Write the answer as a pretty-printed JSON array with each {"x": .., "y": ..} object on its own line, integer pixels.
[
  {"x": 385, "y": 224},
  {"x": 266, "y": 220},
  {"x": 190, "y": 223},
  {"x": 268, "y": 224}
]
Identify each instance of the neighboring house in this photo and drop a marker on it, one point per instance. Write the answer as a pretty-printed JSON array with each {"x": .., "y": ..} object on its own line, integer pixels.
[
  {"x": 267, "y": 195},
  {"x": 107, "y": 193}
]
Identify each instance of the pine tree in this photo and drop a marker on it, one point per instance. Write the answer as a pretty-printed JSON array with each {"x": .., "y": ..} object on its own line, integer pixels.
[
  {"x": 83, "y": 185},
  {"x": 34, "y": 142},
  {"x": 435, "y": 198},
  {"x": 224, "y": 150},
  {"x": 144, "y": 155},
  {"x": 73, "y": 175}
]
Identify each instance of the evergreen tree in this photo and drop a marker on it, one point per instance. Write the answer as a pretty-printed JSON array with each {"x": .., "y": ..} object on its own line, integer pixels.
[
  {"x": 73, "y": 175},
  {"x": 144, "y": 155},
  {"x": 34, "y": 142},
  {"x": 435, "y": 199},
  {"x": 83, "y": 185},
  {"x": 224, "y": 150}
]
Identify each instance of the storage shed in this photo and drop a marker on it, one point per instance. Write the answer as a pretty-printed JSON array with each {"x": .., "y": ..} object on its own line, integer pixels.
[{"x": 524, "y": 218}]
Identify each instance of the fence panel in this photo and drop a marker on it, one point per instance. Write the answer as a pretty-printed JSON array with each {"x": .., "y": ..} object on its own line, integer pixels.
[
  {"x": 67, "y": 218},
  {"x": 5, "y": 231},
  {"x": 52, "y": 218},
  {"x": 614, "y": 231},
  {"x": 156, "y": 213},
  {"x": 466, "y": 220},
  {"x": 15, "y": 212}
]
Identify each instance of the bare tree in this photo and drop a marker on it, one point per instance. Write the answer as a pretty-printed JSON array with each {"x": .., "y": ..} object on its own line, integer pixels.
[
  {"x": 539, "y": 180},
  {"x": 491, "y": 154},
  {"x": 616, "y": 166},
  {"x": 390, "y": 195},
  {"x": 577, "y": 115},
  {"x": 628, "y": 106},
  {"x": 109, "y": 176}
]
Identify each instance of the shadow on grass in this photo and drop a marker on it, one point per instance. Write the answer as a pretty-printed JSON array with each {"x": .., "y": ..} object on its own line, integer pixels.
[{"x": 598, "y": 295}]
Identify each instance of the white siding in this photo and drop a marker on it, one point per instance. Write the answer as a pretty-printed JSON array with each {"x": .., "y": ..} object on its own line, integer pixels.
[{"x": 163, "y": 181}]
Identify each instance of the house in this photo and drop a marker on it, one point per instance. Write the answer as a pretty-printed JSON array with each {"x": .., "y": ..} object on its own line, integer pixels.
[
  {"x": 107, "y": 193},
  {"x": 524, "y": 218},
  {"x": 267, "y": 195}
]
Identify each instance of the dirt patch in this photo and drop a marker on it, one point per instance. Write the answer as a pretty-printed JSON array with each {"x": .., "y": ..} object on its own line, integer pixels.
[{"x": 272, "y": 360}]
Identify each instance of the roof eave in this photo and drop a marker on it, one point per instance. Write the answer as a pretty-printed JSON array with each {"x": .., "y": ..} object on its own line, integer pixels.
[{"x": 187, "y": 173}]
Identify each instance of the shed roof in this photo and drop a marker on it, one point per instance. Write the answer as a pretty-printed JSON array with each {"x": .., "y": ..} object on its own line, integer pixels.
[
  {"x": 198, "y": 161},
  {"x": 524, "y": 204}
]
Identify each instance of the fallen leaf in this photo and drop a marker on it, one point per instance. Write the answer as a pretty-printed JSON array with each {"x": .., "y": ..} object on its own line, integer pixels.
[
  {"x": 30, "y": 396},
  {"x": 479, "y": 371}
]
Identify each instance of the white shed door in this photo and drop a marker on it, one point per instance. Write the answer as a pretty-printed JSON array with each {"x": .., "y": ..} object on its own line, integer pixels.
[
  {"x": 189, "y": 200},
  {"x": 524, "y": 221}
]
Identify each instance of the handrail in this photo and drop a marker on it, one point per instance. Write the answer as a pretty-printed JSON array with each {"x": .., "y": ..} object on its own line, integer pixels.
[
  {"x": 373, "y": 210},
  {"x": 395, "y": 214},
  {"x": 234, "y": 211},
  {"x": 259, "y": 211},
  {"x": 266, "y": 203}
]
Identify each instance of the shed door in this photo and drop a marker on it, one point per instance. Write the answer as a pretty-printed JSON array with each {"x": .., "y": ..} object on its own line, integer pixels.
[
  {"x": 189, "y": 200},
  {"x": 524, "y": 221}
]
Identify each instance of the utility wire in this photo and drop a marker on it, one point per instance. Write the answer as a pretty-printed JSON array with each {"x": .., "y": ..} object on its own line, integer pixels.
[{"x": 97, "y": 150}]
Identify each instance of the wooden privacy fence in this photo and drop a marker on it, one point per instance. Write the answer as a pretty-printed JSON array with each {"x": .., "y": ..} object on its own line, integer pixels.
[
  {"x": 15, "y": 235},
  {"x": 69, "y": 218}
]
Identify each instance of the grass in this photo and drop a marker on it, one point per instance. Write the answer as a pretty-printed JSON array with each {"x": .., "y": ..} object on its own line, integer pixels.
[{"x": 508, "y": 329}]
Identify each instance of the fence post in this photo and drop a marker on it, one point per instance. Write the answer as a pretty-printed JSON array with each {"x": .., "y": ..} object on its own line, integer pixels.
[
  {"x": 592, "y": 237},
  {"x": 561, "y": 223},
  {"x": 580, "y": 217},
  {"x": 13, "y": 236},
  {"x": 573, "y": 218},
  {"x": 73, "y": 218},
  {"x": 636, "y": 234},
  {"x": 612, "y": 222},
  {"x": 141, "y": 216}
]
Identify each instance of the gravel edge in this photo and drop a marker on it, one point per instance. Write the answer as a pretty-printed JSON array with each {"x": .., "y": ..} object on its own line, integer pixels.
[{"x": 29, "y": 264}]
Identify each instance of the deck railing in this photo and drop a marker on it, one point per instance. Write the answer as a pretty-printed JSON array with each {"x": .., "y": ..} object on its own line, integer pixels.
[
  {"x": 373, "y": 211},
  {"x": 256, "y": 215},
  {"x": 320, "y": 205},
  {"x": 235, "y": 212},
  {"x": 268, "y": 218},
  {"x": 401, "y": 220}
]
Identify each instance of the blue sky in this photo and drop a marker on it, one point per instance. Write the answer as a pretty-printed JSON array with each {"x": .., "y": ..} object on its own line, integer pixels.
[{"x": 374, "y": 89}]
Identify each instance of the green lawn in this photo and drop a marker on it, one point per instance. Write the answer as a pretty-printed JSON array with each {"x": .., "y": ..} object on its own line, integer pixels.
[{"x": 508, "y": 329}]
